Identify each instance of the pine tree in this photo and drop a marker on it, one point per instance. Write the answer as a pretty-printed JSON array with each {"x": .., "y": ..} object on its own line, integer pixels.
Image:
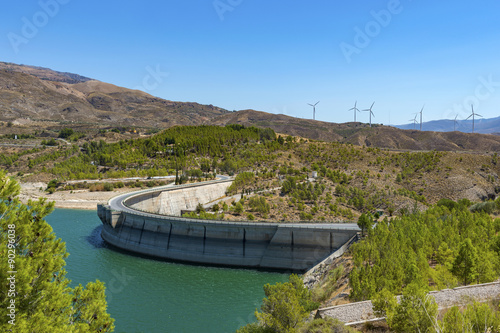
[
  {"x": 38, "y": 297},
  {"x": 364, "y": 223},
  {"x": 465, "y": 264}
]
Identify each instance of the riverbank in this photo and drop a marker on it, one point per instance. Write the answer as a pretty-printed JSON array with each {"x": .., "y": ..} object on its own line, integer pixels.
[{"x": 76, "y": 199}]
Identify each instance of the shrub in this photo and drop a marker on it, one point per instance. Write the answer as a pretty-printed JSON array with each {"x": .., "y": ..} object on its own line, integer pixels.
[
  {"x": 450, "y": 204},
  {"x": 487, "y": 207},
  {"x": 259, "y": 204},
  {"x": 65, "y": 133},
  {"x": 108, "y": 187}
]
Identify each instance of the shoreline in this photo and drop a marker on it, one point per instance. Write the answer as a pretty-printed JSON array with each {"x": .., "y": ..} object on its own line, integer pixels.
[{"x": 76, "y": 199}]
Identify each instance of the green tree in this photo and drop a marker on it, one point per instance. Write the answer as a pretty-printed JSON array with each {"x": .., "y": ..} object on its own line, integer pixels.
[
  {"x": 453, "y": 321},
  {"x": 416, "y": 311},
  {"x": 384, "y": 302},
  {"x": 365, "y": 222},
  {"x": 43, "y": 300},
  {"x": 284, "y": 309},
  {"x": 465, "y": 264},
  {"x": 281, "y": 309},
  {"x": 475, "y": 318},
  {"x": 238, "y": 209}
]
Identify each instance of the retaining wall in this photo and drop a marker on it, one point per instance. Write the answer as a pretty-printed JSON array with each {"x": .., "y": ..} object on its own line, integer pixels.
[{"x": 173, "y": 201}]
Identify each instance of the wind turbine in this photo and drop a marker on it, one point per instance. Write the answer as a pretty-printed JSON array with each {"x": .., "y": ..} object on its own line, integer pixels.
[
  {"x": 421, "y": 116},
  {"x": 355, "y": 109},
  {"x": 414, "y": 120},
  {"x": 473, "y": 115},
  {"x": 314, "y": 109},
  {"x": 371, "y": 113},
  {"x": 455, "y": 123}
]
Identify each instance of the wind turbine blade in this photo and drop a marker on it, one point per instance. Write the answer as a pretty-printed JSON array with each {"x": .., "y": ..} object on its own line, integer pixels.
[
  {"x": 316, "y": 103},
  {"x": 469, "y": 117},
  {"x": 478, "y": 115},
  {"x": 372, "y": 105}
]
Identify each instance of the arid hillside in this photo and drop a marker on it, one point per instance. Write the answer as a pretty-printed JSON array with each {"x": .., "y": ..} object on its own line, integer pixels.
[
  {"x": 361, "y": 134},
  {"x": 32, "y": 93}
]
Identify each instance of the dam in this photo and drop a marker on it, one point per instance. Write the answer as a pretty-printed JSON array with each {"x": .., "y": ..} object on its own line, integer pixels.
[{"x": 145, "y": 222}]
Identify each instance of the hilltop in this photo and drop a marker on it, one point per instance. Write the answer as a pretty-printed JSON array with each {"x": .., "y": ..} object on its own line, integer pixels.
[
  {"x": 361, "y": 134},
  {"x": 29, "y": 94}
]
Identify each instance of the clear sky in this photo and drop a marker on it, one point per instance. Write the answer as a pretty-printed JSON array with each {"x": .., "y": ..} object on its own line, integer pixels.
[{"x": 274, "y": 56}]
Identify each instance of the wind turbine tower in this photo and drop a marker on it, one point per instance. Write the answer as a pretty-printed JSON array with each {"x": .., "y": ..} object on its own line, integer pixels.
[
  {"x": 371, "y": 113},
  {"x": 355, "y": 109},
  {"x": 314, "y": 109},
  {"x": 473, "y": 115},
  {"x": 421, "y": 117},
  {"x": 455, "y": 123}
]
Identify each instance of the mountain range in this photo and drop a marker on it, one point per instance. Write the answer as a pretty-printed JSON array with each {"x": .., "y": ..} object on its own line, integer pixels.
[
  {"x": 36, "y": 94},
  {"x": 481, "y": 125}
]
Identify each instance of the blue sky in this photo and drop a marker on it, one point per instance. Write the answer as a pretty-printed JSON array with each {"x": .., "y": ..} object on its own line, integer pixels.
[{"x": 274, "y": 56}]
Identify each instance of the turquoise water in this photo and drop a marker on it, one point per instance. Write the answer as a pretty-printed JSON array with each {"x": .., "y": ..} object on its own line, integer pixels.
[{"x": 146, "y": 295}]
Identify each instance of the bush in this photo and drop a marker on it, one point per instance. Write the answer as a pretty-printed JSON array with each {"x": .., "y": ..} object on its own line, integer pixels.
[
  {"x": 487, "y": 207},
  {"x": 65, "y": 133},
  {"x": 108, "y": 187},
  {"x": 450, "y": 204},
  {"x": 259, "y": 204}
]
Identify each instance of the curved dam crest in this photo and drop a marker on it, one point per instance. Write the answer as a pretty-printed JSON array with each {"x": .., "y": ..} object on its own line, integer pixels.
[{"x": 134, "y": 222}]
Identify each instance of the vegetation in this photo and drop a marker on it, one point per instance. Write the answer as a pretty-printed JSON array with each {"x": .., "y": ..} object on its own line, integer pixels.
[
  {"x": 284, "y": 309},
  {"x": 439, "y": 248},
  {"x": 38, "y": 297},
  {"x": 350, "y": 181},
  {"x": 418, "y": 312}
]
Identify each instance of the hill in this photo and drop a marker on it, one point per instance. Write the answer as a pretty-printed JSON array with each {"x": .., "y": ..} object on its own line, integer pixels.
[
  {"x": 44, "y": 73},
  {"x": 361, "y": 134},
  {"x": 34, "y": 95},
  {"x": 37, "y": 93}
]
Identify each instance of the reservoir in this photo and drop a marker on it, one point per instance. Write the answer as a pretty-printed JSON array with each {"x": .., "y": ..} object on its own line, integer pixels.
[{"x": 147, "y": 295}]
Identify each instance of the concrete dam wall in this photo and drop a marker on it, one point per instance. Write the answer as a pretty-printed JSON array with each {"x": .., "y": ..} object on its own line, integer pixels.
[
  {"x": 282, "y": 246},
  {"x": 173, "y": 201}
]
